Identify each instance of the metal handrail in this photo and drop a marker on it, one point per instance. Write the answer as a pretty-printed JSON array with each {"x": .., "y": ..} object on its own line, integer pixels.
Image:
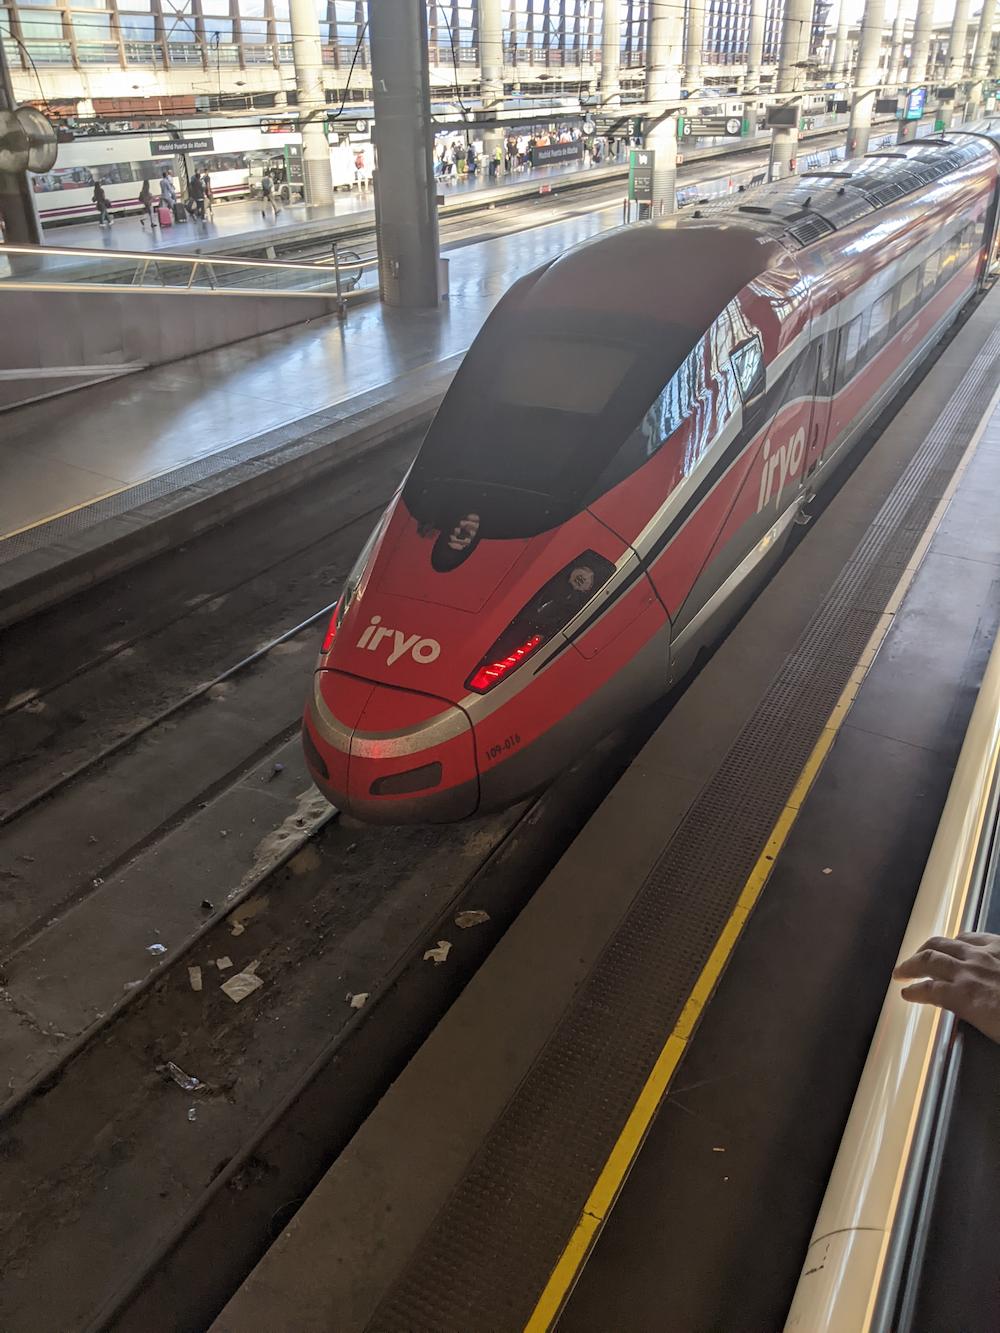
[
  {"x": 109, "y": 256},
  {"x": 141, "y": 273},
  {"x": 852, "y": 1277}
]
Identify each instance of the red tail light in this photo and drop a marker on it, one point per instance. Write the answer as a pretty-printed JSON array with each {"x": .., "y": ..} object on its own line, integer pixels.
[
  {"x": 331, "y": 632},
  {"x": 548, "y": 612},
  {"x": 487, "y": 675}
]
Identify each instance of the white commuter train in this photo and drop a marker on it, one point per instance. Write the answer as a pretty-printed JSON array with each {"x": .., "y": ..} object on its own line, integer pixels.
[{"x": 235, "y": 157}]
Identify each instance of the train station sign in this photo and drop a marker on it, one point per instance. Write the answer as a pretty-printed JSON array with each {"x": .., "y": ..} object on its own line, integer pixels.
[
  {"x": 641, "y": 162},
  {"x": 544, "y": 155},
  {"x": 713, "y": 127},
  {"x": 203, "y": 145}
]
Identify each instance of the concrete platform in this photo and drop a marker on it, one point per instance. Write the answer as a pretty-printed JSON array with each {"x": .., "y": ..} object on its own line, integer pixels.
[{"x": 357, "y": 1239}]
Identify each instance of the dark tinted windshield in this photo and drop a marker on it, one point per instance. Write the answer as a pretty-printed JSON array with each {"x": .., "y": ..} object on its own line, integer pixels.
[{"x": 536, "y": 413}]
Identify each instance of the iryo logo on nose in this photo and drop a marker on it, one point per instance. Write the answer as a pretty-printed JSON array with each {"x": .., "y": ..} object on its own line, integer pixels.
[{"x": 421, "y": 650}]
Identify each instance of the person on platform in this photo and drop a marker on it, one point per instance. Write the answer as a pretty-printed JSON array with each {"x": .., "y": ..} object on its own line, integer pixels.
[
  {"x": 961, "y": 975},
  {"x": 206, "y": 180},
  {"x": 267, "y": 198},
  {"x": 196, "y": 196},
  {"x": 146, "y": 202},
  {"x": 104, "y": 217},
  {"x": 168, "y": 190},
  {"x": 496, "y": 162}
]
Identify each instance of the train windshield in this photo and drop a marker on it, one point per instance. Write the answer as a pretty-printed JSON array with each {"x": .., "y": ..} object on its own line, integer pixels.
[
  {"x": 535, "y": 415},
  {"x": 561, "y": 374}
]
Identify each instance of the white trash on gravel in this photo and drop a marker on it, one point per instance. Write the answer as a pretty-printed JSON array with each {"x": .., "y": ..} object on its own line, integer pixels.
[
  {"x": 473, "y": 918},
  {"x": 439, "y": 954},
  {"x": 244, "y": 983},
  {"x": 186, "y": 1081}
]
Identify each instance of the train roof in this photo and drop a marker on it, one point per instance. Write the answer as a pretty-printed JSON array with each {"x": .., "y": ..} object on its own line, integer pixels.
[
  {"x": 627, "y": 271},
  {"x": 704, "y": 258},
  {"x": 802, "y": 209}
]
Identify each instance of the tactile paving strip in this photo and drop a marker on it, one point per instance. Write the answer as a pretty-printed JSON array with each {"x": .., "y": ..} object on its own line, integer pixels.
[{"x": 485, "y": 1260}]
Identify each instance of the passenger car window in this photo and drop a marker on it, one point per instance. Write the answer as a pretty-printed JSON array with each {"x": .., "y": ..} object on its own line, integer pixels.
[
  {"x": 880, "y": 322},
  {"x": 908, "y": 289},
  {"x": 932, "y": 267},
  {"x": 852, "y": 342},
  {"x": 827, "y": 362}
]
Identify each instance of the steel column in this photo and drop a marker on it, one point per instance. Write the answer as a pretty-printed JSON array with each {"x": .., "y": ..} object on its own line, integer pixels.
[
  {"x": 17, "y": 199},
  {"x": 664, "y": 48},
  {"x": 894, "y": 69},
  {"x": 491, "y": 68},
  {"x": 611, "y": 33},
  {"x": 405, "y": 197},
  {"x": 920, "y": 48},
  {"x": 981, "y": 58},
  {"x": 755, "y": 43},
  {"x": 307, "y": 52},
  {"x": 796, "y": 28},
  {"x": 957, "y": 42},
  {"x": 866, "y": 78},
  {"x": 841, "y": 47},
  {"x": 694, "y": 42}
]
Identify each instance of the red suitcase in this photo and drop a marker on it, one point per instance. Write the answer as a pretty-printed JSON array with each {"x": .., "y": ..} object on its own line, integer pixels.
[{"x": 165, "y": 216}]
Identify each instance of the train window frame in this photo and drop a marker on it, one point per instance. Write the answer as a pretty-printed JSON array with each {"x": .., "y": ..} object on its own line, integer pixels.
[
  {"x": 881, "y": 316},
  {"x": 930, "y": 271},
  {"x": 856, "y": 331},
  {"x": 802, "y": 374},
  {"x": 826, "y": 374},
  {"x": 747, "y": 361},
  {"x": 905, "y": 309}
]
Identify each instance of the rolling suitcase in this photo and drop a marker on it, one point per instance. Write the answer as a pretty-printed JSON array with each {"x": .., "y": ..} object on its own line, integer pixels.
[
  {"x": 165, "y": 216},
  {"x": 180, "y": 212}
]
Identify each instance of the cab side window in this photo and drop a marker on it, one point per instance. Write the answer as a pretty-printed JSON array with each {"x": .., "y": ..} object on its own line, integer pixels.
[
  {"x": 748, "y": 364},
  {"x": 663, "y": 416}
]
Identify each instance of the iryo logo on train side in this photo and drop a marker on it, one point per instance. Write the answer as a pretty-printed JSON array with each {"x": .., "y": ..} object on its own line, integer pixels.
[{"x": 786, "y": 461}]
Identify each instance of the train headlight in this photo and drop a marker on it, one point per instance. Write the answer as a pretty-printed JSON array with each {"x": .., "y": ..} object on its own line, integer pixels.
[
  {"x": 549, "y": 611},
  {"x": 353, "y": 584}
]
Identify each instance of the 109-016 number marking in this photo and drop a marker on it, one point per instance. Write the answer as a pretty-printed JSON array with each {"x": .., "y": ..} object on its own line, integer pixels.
[{"x": 503, "y": 747}]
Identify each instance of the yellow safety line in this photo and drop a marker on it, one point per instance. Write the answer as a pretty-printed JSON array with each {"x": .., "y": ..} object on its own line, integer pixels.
[{"x": 622, "y": 1157}]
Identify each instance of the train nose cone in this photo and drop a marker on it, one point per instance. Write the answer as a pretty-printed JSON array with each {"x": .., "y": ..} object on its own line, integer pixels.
[{"x": 406, "y": 757}]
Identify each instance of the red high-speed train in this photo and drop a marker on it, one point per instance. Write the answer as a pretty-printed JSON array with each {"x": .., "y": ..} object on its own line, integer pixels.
[{"x": 618, "y": 464}]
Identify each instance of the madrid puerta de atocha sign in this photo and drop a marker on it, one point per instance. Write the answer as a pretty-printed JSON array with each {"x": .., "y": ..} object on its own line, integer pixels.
[
  {"x": 544, "y": 155},
  {"x": 162, "y": 146}
]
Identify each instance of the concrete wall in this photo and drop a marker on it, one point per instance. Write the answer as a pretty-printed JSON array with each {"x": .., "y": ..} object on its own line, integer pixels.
[{"x": 81, "y": 337}]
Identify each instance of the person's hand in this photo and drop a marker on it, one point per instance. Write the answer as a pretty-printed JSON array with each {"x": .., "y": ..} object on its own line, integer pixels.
[{"x": 961, "y": 974}]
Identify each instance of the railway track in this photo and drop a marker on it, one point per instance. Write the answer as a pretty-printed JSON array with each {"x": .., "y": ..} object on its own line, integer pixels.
[{"x": 157, "y": 819}]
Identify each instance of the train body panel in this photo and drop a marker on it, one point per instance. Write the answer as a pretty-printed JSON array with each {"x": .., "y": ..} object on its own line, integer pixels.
[{"x": 620, "y": 462}]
